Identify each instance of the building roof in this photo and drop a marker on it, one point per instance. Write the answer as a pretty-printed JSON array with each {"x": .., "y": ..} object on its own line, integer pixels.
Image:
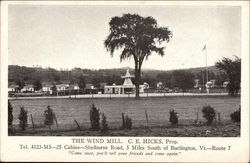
[
  {"x": 119, "y": 86},
  {"x": 102, "y": 85},
  {"x": 13, "y": 86},
  {"x": 28, "y": 86},
  {"x": 48, "y": 85},
  {"x": 127, "y": 75},
  {"x": 62, "y": 85},
  {"x": 72, "y": 86},
  {"x": 127, "y": 78},
  {"x": 88, "y": 86}
]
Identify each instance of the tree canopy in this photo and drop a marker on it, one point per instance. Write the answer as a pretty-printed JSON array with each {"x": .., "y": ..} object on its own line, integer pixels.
[
  {"x": 233, "y": 70},
  {"x": 20, "y": 84},
  {"x": 10, "y": 114},
  {"x": 137, "y": 37},
  {"x": 81, "y": 82},
  {"x": 37, "y": 85},
  {"x": 183, "y": 79}
]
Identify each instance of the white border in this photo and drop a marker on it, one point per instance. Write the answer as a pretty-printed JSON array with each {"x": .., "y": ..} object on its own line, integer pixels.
[{"x": 239, "y": 153}]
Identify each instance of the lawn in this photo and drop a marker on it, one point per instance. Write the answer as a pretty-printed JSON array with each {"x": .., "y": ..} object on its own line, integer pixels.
[{"x": 157, "y": 108}]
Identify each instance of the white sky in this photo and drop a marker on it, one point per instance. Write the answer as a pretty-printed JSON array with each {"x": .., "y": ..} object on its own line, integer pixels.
[{"x": 73, "y": 36}]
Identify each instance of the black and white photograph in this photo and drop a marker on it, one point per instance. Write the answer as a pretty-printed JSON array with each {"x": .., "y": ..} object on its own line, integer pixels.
[
  {"x": 124, "y": 71},
  {"x": 121, "y": 70}
]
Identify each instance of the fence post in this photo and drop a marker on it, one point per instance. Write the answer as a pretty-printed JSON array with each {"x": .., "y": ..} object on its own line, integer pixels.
[
  {"x": 123, "y": 121},
  {"x": 33, "y": 125},
  {"x": 78, "y": 126},
  {"x": 219, "y": 117},
  {"x": 56, "y": 121},
  {"x": 146, "y": 114},
  {"x": 197, "y": 117},
  {"x": 50, "y": 130}
]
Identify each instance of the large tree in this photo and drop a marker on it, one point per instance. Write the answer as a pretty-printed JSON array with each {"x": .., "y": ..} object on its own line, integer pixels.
[
  {"x": 233, "y": 70},
  {"x": 81, "y": 82},
  {"x": 10, "y": 114},
  {"x": 20, "y": 84},
  {"x": 136, "y": 37},
  {"x": 165, "y": 77},
  {"x": 37, "y": 85},
  {"x": 183, "y": 79}
]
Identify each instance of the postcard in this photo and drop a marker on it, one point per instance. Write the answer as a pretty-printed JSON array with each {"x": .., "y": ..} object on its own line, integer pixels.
[{"x": 125, "y": 81}]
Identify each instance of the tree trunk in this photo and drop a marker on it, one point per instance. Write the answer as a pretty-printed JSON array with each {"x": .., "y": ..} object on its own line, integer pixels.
[
  {"x": 137, "y": 93},
  {"x": 50, "y": 130},
  {"x": 138, "y": 64},
  {"x": 137, "y": 83}
]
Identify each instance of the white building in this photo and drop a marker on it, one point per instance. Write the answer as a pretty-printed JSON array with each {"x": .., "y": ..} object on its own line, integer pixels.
[
  {"x": 74, "y": 87},
  {"x": 62, "y": 87},
  {"x": 145, "y": 85},
  {"x": 47, "y": 88},
  {"x": 127, "y": 87},
  {"x": 210, "y": 84},
  {"x": 28, "y": 88},
  {"x": 12, "y": 88},
  {"x": 159, "y": 85},
  {"x": 197, "y": 83},
  {"x": 89, "y": 86},
  {"x": 225, "y": 84}
]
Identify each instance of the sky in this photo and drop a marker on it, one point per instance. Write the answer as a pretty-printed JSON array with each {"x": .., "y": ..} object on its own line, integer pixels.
[{"x": 68, "y": 36}]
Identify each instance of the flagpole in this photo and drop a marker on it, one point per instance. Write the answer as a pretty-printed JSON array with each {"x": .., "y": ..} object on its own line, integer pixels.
[
  {"x": 205, "y": 48},
  {"x": 206, "y": 64}
]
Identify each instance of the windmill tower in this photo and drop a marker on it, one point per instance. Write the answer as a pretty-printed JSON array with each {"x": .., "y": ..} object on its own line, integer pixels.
[{"x": 127, "y": 77}]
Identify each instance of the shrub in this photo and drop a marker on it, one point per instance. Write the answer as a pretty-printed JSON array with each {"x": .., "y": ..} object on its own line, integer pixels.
[
  {"x": 23, "y": 118},
  {"x": 10, "y": 114},
  {"x": 104, "y": 123},
  {"x": 173, "y": 118},
  {"x": 94, "y": 115},
  {"x": 11, "y": 132},
  {"x": 126, "y": 122},
  {"x": 49, "y": 116},
  {"x": 208, "y": 114},
  {"x": 235, "y": 116}
]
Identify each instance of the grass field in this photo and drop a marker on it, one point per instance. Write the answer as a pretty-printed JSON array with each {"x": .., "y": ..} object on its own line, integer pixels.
[{"x": 157, "y": 109}]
